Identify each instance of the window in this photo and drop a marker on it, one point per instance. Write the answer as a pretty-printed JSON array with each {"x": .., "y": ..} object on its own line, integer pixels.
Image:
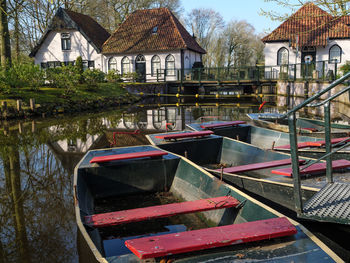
[
  {"x": 53, "y": 64},
  {"x": 91, "y": 64},
  {"x": 65, "y": 41},
  {"x": 170, "y": 65},
  {"x": 155, "y": 65},
  {"x": 125, "y": 65},
  {"x": 282, "y": 56},
  {"x": 154, "y": 30},
  {"x": 140, "y": 59},
  {"x": 66, "y": 63},
  {"x": 335, "y": 54},
  {"x": 112, "y": 63}
]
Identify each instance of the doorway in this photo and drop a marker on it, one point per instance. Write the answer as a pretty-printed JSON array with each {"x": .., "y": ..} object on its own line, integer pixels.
[{"x": 140, "y": 68}]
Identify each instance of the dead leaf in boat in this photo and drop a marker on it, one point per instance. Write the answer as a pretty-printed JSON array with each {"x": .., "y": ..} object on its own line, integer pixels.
[{"x": 240, "y": 256}]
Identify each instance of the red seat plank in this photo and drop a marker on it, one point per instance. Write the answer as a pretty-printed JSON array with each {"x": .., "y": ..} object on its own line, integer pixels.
[
  {"x": 159, "y": 246},
  {"x": 256, "y": 166},
  {"x": 126, "y": 156},
  {"x": 222, "y": 124},
  {"x": 315, "y": 168},
  {"x": 146, "y": 213},
  {"x": 287, "y": 146},
  {"x": 333, "y": 141},
  {"x": 314, "y": 143},
  {"x": 184, "y": 135}
]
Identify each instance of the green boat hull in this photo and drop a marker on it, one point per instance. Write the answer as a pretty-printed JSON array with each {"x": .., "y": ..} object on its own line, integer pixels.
[{"x": 186, "y": 181}]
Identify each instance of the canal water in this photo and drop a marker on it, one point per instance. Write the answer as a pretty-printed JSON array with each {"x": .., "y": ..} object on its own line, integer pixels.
[{"x": 37, "y": 159}]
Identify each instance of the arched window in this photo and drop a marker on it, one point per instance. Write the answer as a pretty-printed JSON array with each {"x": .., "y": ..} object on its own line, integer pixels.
[
  {"x": 282, "y": 56},
  {"x": 125, "y": 65},
  {"x": 155, "y": 65},
  {"x": 170, "y": 65},
  {"x": 140, "y": 59},
  {"x": 112, "y": 63},
  {"x": 335, "y": 54}
]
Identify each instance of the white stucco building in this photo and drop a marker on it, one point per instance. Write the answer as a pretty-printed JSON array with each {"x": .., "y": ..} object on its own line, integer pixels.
[
  {"x": 151, "y": 42},
  {"x": 310, "y": 36}
]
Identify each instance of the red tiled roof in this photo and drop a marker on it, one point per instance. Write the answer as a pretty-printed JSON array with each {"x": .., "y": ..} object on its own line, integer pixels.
[
  {"x": 87, "y": 26},
  {"x": 135, "y": 34},
  {"x": 345, "y": 20},
  {"x": 312, "y": 25},
  {"x": 97, "y": 34}
]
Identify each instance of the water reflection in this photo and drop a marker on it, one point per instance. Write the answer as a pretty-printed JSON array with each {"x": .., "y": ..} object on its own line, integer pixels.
[{"x": 37, "y": 221}]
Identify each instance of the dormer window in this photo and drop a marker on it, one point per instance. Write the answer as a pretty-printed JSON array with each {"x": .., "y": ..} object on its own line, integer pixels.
[
  {"x": 154, "y": 30},
  {"x": 65, "y": 41}
]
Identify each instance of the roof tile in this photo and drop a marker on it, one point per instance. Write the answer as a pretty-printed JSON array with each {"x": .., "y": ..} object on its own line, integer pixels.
[
  {"x": 312, "y": 25},
  {"x": 135, "y": 34}
]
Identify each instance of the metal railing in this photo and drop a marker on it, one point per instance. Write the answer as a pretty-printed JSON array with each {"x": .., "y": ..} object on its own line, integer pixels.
[
  {"x": 320, "y": 70},
  {"x": 291, "y": 114}
]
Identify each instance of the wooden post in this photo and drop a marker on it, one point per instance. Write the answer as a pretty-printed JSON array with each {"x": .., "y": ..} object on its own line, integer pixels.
[
  {"x": 4, "y": 109},
  {"x": 20, "y": 127},
  {"x": 19, "y": 105},
  {"x": 32, "y": 104},
  {"x": 6, "y": 128},
  {"x": 33, "y": 126}
]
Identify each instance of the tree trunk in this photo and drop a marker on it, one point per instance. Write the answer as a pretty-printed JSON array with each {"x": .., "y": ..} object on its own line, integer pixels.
[
  {"x": 16, "y": 31},
  {"x": 17, "y": 198},
  {"x": 4, "y": 36}
]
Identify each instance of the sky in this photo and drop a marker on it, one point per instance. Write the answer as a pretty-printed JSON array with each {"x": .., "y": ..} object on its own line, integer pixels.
[{"x": 240, "y": 10}]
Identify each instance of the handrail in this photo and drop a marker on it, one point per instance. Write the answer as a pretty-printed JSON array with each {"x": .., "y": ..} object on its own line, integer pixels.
[
  {"x": 291, "y": 114},
  {"x": 331, "y": 98},
  {"x": 317, "y": 95},
  {"x": 311, "y": 162}
]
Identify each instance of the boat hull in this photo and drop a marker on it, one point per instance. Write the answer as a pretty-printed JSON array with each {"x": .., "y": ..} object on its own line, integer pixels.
[{"x": 187, "y": 182}]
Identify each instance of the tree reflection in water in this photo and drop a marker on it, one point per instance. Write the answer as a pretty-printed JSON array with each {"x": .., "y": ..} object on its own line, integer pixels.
[{"x": 37, "y": 221}]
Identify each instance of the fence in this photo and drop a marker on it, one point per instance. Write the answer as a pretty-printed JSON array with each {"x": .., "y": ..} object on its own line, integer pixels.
[{"x": 320, "y": 70}]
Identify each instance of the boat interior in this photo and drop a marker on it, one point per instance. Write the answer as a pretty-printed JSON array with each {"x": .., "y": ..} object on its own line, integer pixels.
[{"x": 179, "y": 204}]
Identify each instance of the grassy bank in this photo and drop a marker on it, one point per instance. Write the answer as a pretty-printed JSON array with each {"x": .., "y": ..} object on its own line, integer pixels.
[{"x": 51, "y": 100}]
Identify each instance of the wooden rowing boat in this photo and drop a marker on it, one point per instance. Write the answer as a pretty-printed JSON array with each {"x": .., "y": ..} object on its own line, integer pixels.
[
  {"x": 214, "y": 152},
  {"x": 306, "y": 126},
  {"x": 143, "y": 203},
  {"x": 264, "y": 138}
]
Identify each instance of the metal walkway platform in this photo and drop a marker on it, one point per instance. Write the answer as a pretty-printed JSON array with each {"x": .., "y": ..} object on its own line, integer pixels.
[{"x": 330, "y": 204}]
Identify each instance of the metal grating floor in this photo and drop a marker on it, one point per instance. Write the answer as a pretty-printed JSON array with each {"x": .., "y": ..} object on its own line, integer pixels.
[{"x": 331, "y": 204}]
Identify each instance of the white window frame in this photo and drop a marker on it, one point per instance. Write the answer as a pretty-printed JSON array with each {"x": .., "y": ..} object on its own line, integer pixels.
[{"x": 155, "y": 65}]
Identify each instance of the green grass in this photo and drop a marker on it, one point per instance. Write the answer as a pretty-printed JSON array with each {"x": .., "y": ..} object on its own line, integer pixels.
[{"x": 47, "y": 95}]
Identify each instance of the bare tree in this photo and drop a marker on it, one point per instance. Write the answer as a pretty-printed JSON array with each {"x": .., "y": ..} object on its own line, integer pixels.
[
  {"x": 206, "y": 25},
  {"x": 334, "y": 7}
]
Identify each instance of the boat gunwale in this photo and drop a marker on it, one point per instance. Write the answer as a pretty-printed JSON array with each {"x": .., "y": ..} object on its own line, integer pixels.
[{"x": 102, "y": 259}]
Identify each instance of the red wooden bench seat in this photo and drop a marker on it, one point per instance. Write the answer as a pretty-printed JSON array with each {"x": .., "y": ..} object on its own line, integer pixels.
[
  {"x": 256, "y": 166},
  {"x": 126, "y": 156},
  {"x": 314, "y": 143},
  {"x": 159, "y": 246},
  {"x": 333, "y": 141},
  {"x": 287, "y": 146},
  {"x": 152, "y": 212},
  {"x": 175, "y": 136},
  {"x": 222, "y": 124},
  {"x": 315, "y": 168}
]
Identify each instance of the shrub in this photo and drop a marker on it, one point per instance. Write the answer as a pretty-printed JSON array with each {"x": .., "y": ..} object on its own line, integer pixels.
[
  {"x": 79, "y": 69},
  {"x": 130, "y": 76},
  {"x": 22, "y": 75},
  {"x": 113, "y": 76},
  {"x": 65, "y": 77},
  {"x": 345, "y": 68},
  {"x": 93, "y": 76}
]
